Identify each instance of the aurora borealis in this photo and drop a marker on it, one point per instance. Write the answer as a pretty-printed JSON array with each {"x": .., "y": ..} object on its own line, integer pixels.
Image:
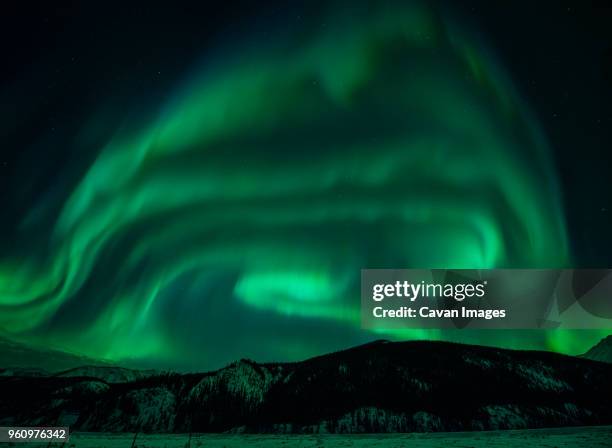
[{"x": 233, "y": 218}]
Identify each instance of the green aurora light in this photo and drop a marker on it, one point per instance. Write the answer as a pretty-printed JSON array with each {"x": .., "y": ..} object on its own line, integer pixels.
[{"x": 260, "y": 190}]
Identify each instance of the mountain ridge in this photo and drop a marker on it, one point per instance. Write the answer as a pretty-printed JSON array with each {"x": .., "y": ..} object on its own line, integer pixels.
[
  {"x": 602, "y": 351},
  {"x": 377, "y": 387},
  {"x": 17, "y": 356}
]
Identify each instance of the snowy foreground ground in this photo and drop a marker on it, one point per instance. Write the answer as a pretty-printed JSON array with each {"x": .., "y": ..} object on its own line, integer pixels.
[{"x": 591, "y": 437}]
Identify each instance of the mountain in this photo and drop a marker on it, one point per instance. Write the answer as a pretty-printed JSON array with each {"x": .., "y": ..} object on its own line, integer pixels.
[
  {"x": 379, "y": 387},
  {"x": 22, "y": 371},
  {"x": 602, "y": 351},
  {"x": 109, "y": 374},
  {"x": 21, "y": 360},
  {"x": 18, "y": 358}
]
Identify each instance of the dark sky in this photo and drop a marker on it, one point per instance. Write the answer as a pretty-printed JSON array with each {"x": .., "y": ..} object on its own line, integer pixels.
[{"x": 560, "y": 54}]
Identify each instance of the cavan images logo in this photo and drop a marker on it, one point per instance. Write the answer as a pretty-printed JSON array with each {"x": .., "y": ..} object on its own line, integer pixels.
[{"x": 492, "y": 298}]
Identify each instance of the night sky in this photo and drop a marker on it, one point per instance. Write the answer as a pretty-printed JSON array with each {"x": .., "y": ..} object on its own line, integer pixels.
[{"x": 183, "y": 186}]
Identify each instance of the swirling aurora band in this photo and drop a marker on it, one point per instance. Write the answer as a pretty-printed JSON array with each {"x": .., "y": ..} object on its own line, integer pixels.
[{"x": 243, "y": 211}]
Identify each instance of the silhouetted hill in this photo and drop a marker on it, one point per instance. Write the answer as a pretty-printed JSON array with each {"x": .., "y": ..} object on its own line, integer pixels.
[
  {"x": 602, "y": 351},
  {"x": 379, "y": 387},
  {"x": 110, "y": 374},
  {"x": 18, "y": 358}
]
